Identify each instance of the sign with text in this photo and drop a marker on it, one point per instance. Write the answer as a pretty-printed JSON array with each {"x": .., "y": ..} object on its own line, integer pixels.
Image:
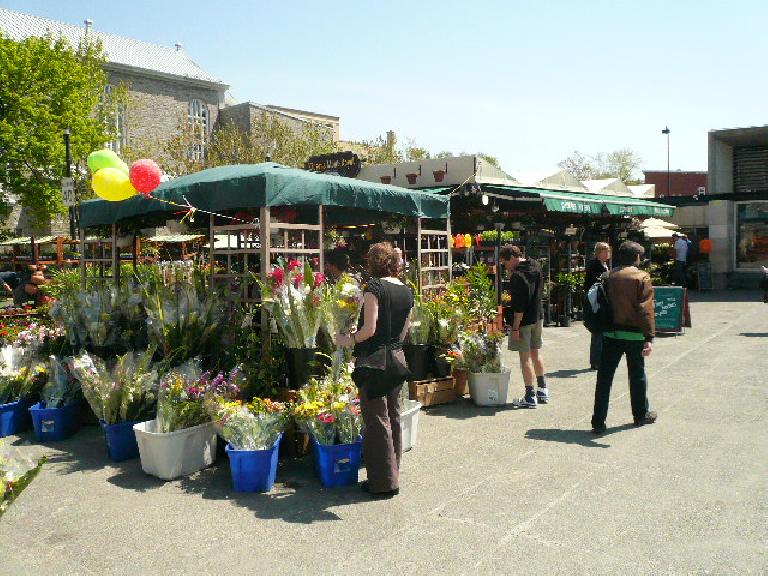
[
  {"x": 668, "y": 304},
  {"x": 342, "y": 163},
  {"x": 68, "y": 192}
]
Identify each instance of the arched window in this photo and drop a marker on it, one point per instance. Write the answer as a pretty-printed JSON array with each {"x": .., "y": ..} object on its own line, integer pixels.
[
  {"x": 197, "y": 116},
  {"x": 114, "y": 115}
]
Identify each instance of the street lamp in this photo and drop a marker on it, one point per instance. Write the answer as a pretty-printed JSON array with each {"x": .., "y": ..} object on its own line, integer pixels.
[{"x": 666, "y": 131}]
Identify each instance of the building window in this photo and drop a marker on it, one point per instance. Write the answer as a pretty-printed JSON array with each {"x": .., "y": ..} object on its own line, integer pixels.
[
  {"x": 752, "y": 235},
  {"x": 114, "y": 116},
  {"x": 197, "y": 117}
]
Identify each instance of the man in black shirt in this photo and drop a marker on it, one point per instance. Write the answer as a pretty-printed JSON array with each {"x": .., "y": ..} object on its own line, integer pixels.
[
  {"x": 595, "y": 269},
  {"x": 527, "y": 323}
]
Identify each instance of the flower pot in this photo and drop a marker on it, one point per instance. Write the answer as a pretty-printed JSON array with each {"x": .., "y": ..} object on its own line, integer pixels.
[
  {"x": 14, "y": 417},
  {"x": 55, "y": 423},
  {"x": 253, "y": 470},
  {"x": 439, "y": 175},
  {"x": 386, "y": 179},
  {"x": 301, "y": 365},
  {"x": 411, "y": 178},
  {"x": 121, "y": 440},
  {"x": 409, "y": 424},
  {"x": 417, "y": 356},
  {"x": 489, "y": 389},
  {"x": 564, "y": 321},
  {"x": 175, "y": 454},
  {"x": 461, "y": 381},
  {"x": 337, "y": 465},
  {"x": 442, "y": 368}
]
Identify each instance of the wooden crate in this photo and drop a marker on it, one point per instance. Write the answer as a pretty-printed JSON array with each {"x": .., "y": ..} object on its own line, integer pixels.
[{"x": 432, "y": 392}]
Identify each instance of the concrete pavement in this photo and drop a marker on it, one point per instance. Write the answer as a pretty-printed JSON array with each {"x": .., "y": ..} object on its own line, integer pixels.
[{"x": 485, "y": 491}]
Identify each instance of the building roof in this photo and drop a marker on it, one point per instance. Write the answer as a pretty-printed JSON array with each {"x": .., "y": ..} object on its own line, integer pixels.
[
  {"x": 119, "y": 51},
  {"x": 611, "y": 186},
  {"x": 643, "y": 190},
  {"x": 558, "y": 179}
]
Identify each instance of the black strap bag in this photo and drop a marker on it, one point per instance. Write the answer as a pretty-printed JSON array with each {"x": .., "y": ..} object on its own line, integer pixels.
[{"x": 385, "y": 368}]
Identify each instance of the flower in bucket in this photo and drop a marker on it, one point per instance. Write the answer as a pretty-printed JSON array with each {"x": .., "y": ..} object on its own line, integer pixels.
[
  {"x": 293, "y": 297},
  {"x": 248, "y": 426},
  {"x": 330, "y": 410}
]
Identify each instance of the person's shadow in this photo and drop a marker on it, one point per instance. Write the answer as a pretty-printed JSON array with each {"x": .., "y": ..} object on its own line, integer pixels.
[
  {"x": 568, "y": 436},
  {"x": 754, "y": 334},
  {"x": 569, "y": 373}
]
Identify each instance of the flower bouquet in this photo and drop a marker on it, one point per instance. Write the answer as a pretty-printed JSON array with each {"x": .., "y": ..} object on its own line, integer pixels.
[
  {"x": 342, "y": 303},
  {"x": 21, "y": 381},
  {"x": 62, "y": 388},
  {"x": 120, "y": 395},
  {"x": 17, "y": 470}
]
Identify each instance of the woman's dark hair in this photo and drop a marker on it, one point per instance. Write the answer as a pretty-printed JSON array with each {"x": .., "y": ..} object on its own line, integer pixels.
[
  {"x": 628, "y": 253},
  {"x": 338, "y": 258},
  {"x": 508, "y": 251},
  {"x": 382, "y": 260}
]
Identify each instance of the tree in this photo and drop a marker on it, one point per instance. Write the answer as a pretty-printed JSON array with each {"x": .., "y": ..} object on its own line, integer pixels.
[
  {"x": 414, "y": 152},
  {"x": 47, "y": 86},
  {"x": 492, "y": 160},
  {"x": 578, "y": 165}
]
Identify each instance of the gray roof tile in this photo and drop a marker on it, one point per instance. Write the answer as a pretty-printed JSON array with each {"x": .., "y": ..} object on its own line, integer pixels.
[{"x": 118, "y": 50}]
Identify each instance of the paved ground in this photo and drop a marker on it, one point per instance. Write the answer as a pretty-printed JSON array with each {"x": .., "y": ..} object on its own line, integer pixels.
[{"x": 486, "y": 491}]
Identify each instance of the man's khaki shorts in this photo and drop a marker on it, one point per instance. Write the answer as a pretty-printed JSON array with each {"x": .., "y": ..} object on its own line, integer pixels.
[{"x": 530, "y": 338}]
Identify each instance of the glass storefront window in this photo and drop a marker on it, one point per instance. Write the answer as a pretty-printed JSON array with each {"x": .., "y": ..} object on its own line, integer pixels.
[{"x": 752, "y": 235}]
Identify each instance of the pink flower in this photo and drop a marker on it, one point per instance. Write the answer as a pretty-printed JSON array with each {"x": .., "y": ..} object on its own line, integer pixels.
[
  {"x": 277, "y": 275},
  {"x": 293, "y": 264},
  {"x": 319, "y": 279},
  {"x": 297, "y": 280}
]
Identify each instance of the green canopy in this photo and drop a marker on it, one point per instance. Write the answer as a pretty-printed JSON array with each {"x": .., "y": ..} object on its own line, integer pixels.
[
  {"x": 585, "y": 203},
  {"x": 243, "y": 186}
]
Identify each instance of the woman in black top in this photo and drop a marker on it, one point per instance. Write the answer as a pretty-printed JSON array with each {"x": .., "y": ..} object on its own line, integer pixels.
[
  {"x": 596, "y": 268},
  {"x": 387, "y": 304}
]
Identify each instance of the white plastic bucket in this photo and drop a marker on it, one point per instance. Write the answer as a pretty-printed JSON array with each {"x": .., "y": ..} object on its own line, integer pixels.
[
  {"x": 175, "y": 454},
  {"x": 409, "y": 424},
  {"x": 489, "y": 389}
]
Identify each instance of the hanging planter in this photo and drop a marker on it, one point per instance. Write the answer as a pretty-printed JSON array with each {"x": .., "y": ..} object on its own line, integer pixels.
[
  {"x": 489, "y": 389},
  {"x": 337, "y": 465},
  {"x": 173, "y": 454},
  {"x": 409, "y": 424},
  {"x": 121, "y": 440},
  {"x": 439, "y": 175},
  {"x": 14, "y": 417},
  {"x": 55, "y": 423},
  {"x": 253, "y": 470},
  {"x": 386, "y": 179},
  {"x": 412, "y": 178}
]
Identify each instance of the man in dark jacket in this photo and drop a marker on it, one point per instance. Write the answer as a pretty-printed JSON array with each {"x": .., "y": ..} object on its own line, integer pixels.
[
  {"x": 526, "y": 323},
  {"x": 595, "y": 269},
  {"x": 630, "y": 294}
]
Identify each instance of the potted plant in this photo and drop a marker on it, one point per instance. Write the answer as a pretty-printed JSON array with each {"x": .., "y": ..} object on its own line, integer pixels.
[
  {"x": 182, "y": 439},
  {"x": 293, "y": 295},
  {"x": 121, "y": 395},
  {"x": 438, "y": 175},
  {"x": 488, "y": 380},
  {"x": 253, "y": 431},
  {"x": 386, "y": 179},
  {"x": 446, "y": 320},
  {"x": 416, "y": 349},
  {"x": 411, "y": 178}
]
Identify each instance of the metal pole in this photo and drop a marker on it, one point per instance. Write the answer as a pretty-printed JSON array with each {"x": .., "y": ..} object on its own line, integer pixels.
[
  {"x": 68, "y": 172},
  {"x": 666, "y": 132}
]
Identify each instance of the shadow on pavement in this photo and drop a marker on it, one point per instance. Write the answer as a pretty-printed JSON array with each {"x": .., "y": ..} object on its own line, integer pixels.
[
  {"x": 464, "y": 409},
  {"x": 83, "y": 451},
  {"x": 567, "y": 436},
  {"x": 726, "y": 295},
  {"x": 297, "y": 497},
  {"x": 754, "y": 334},
  {"x": 569, "y": 373}
]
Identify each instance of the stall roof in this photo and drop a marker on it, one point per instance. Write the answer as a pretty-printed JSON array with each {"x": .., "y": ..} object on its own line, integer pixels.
[
  {"x": 598, "y": 204},
  {"x": 258, "y": 185},
  {"x": 28, "y": 240}
]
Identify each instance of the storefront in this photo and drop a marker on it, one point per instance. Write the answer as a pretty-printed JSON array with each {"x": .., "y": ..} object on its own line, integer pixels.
[{"x": 751, "y": 235}]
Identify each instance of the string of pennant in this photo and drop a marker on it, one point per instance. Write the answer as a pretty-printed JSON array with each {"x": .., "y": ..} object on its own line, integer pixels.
[{"x": 190, "y": 211}]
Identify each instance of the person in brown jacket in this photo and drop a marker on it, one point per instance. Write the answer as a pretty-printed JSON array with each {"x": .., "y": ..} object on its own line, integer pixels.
[{"x": 630, "y": 294}]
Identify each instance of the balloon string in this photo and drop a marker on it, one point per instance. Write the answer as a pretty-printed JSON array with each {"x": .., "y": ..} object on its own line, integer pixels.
[{"x": 190, "y": 211}]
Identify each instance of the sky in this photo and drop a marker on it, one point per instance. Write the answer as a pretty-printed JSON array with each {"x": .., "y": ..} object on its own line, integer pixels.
[{"x": 526, "y": 81}]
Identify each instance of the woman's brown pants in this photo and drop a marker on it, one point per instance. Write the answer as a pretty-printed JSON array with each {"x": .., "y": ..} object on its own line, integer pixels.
[{"x": 382, "y": 444}]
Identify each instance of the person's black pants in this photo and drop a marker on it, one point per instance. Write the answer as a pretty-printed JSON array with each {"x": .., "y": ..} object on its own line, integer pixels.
[
  {"x": 595, "y": 349},
  {"x": 680, "y": 274},
  {"x": 613, "y": 350}
]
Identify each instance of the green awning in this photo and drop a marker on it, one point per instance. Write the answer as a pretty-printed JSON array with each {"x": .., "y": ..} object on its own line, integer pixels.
[
  {"x": 244, "y": 186},
  {"x": 585, "y": 203}
]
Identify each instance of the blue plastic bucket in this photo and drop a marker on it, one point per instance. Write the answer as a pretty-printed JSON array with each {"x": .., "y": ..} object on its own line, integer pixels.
[
  {"x": 253, "y": 470},
  {"x": 14, "y": 417},
  {"x": 55, "y": 423},
  {"x": 121, "y": 440},
  {"x": 337, "y": 465}
]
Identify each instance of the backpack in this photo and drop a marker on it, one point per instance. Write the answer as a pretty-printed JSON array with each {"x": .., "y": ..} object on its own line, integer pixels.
[{"x": 598, "y": 315}]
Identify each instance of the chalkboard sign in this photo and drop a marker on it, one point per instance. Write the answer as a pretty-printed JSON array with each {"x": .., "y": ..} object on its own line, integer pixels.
[
  {"x": 669, "y": 302},
  {"x": 705, "y": 276}
]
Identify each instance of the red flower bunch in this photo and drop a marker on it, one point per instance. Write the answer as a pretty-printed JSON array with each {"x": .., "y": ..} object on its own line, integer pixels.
[
  {"x": 277, "y": 276},
  {"x": 326, "y": 418},
  {"x": 319, "y": 278},
  {"x": 292, "y": 264}
]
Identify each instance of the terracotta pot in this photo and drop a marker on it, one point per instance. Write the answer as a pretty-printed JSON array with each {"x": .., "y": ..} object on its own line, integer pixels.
[
  {"x": 386, "y": 179},
  {"x": 411, "y": 178},
  {"x": 439, "y": 175}
]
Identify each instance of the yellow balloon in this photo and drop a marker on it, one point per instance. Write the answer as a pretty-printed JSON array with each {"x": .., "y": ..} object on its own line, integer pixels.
[{"x": 112, "y": 184}]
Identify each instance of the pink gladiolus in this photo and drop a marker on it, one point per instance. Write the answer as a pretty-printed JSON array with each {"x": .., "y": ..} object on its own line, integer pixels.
[
  {"x": 319, "y": 278},
  {"x": 293, "y": 264},
  {"x": 277, "y": 276}
]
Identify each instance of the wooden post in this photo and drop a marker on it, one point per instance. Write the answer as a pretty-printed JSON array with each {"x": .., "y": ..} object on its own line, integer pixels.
[
  {"x": 115, "y": 258},
  {"x": 265, "y": 236},
  {"x": 82, "y": 259},
  {"x": 418, "y": 254},
  {"x": 211, "y": 249},
  {"x": 450, "y": 250},
  {"x": 321, "y": 221}
]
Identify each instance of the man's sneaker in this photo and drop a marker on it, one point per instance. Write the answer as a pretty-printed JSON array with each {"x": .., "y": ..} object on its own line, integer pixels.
[
  {"x": 542, "y": 395},
  {"x": 598, "y": 430},
  {"x": 649, "y": 418},
  {"x": 527, "y": 401}
]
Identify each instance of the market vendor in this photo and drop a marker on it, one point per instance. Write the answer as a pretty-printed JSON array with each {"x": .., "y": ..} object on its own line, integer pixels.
[
  {"x": 29, "y": 287},
  {"x": 8, "y": 281},
  {"x": 336, "y": 264}
]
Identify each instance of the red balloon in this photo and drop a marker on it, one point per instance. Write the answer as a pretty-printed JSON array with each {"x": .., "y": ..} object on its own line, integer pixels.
[{"x": 145, "y": 176}]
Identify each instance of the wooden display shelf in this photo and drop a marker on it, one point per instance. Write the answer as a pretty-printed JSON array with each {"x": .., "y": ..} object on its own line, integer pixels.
[{"x": 432, "y": 392}]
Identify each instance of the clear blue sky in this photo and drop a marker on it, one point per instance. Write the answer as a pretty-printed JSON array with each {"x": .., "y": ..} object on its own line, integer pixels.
[{"x": 527, "y": 81}]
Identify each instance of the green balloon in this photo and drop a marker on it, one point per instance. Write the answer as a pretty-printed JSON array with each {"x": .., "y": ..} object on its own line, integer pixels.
[{"x": 105, "y": 159}]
